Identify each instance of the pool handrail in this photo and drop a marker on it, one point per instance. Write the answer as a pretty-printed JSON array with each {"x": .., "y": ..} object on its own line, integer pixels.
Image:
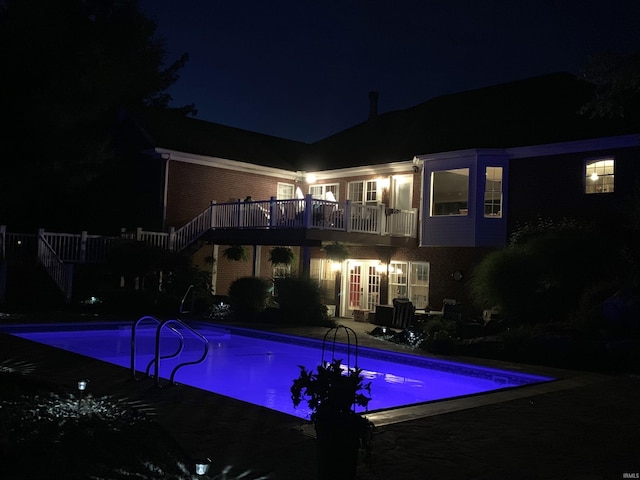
[
  {"x": 181, "y": 309},
  {"x": 156, "y": 374},
  {"x": 133, "y": 345}
]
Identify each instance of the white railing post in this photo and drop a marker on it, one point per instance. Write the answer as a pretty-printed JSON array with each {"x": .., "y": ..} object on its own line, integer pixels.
[
  {"x": 82, "y": 254},
  {"x": 212, "y": 217},
  {"x": 172, "y": 239},
  {"x": 272, "y": 212},
  {"x": 139, "y": 234},
  {"x": 414, "y": 223},
  {"x": 380, "y": 224},
  {"x": 40, "y": 235},
  {"x": 239, "y": 206},
  {"x": 347, "y": 216},
  {"x": 308, "y": 210}
]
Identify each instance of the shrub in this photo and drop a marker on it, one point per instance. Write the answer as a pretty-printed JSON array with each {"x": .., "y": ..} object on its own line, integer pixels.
[
  {"x": 300, "y": 301},
  {"x": 248, "y": 296},
  {"x": 439, "y": 335},
  {"x": 542, "y": 276}
]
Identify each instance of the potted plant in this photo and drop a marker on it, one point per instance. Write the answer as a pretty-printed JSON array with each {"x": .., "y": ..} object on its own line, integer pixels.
[
  {"x": 332, "y": 392},
  {"x": 281, "y": 256},
  {"x": 236, "y": 253},
  {"x": 336, "y": 251}
]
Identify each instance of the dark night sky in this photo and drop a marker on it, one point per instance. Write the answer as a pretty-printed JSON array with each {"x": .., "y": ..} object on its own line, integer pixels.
[{"x": 302, "y": 69}]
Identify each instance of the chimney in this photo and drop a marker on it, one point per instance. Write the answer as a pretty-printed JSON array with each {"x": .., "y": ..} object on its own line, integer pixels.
[{"x": 373, "y": 105}]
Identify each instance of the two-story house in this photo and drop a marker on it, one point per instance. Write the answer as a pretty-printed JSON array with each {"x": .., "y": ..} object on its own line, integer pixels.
[{"x": 418, "y": 195}]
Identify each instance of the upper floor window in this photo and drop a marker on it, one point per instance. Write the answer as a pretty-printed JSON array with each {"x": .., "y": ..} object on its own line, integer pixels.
[
  {"x": 364, "y": 192},
  {"x": 450, "y": 192},
  {"x": 493, "y": 192},
  {"x": 286, "y": 191},
  {"x": 599, "y": 176},
  {"x": 320, "y": 191}
]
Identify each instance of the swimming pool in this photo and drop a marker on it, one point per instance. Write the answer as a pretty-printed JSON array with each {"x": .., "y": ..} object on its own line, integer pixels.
[{"x": 259, "y": 367}]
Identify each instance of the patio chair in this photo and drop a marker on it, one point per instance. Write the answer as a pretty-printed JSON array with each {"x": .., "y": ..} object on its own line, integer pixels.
[
  {"x": 403, "y": 311},
  {"x": 446, "y": 303}
]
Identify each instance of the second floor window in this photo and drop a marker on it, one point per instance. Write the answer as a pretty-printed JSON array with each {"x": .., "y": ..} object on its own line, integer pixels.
[
  {"x": 599, "y": 176},
  {"x": 493, "y": 192},
  {"x": 450, "y": 192}
]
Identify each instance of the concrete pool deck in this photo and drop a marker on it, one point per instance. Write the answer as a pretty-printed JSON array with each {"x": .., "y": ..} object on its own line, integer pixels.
[{"x": 581, "y": 426}]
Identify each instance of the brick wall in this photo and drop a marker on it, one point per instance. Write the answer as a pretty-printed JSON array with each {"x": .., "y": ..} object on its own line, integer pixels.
[{"x": 191, "y": 188}]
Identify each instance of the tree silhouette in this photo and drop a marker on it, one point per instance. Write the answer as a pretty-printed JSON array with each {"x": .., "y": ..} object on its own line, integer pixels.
[{"x": 69, "y": 67}]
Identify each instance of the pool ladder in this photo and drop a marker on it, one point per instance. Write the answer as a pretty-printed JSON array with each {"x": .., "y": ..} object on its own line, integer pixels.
[{"x": 155, "y": 362}]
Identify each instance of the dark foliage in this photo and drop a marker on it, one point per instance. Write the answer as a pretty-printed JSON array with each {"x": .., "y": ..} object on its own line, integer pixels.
[
  {"x": 542, "y": 276},
  {"x": 300, "y": 301},
  {"x": 248, "y": 296},
  {"x": 69, "y": 67}
]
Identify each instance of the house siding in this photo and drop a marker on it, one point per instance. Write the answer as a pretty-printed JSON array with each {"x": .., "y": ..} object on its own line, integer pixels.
[{"x": 553, "y": 187}]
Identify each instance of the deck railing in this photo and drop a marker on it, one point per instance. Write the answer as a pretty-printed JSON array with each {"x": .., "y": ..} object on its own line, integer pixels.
[
  {"x": 305, "y": 213},
  {"x": 57, "y": 251}
]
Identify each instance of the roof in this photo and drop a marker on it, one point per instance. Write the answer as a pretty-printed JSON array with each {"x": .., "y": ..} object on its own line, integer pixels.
[
  {"x": 174, "y": 131},
  {"x": 539, "y": 110},
  {"x": 534, "y": 111}
]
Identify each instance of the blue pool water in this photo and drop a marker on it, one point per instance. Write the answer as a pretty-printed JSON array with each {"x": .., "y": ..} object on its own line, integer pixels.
[{"x": 259, "y": 367}]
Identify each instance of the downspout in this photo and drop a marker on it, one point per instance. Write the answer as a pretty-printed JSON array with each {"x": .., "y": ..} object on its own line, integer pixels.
[{"x": 165, "y": 188}]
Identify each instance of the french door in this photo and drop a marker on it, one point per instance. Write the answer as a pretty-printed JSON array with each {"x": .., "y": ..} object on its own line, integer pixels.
[{"x": 362, "y": 281}]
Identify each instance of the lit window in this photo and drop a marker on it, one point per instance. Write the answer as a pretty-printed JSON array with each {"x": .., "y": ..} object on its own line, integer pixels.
[
  {"x": 410, "y": 280},
  {"x": 493, "y": 192},
  {"x": 450, "y": 192},
  {"x": 398, "y": 280},
  {"x": 286, "y": 191},
  {"x": 419, "y": 284},
  {"x": 365, "y": 192},
  {"x": 319, "y": 192},
  {"x": 599, "y": 176}
]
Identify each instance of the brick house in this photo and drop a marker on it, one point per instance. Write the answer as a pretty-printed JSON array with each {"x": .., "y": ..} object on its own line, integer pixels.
[{"x": 418, "y": 195}]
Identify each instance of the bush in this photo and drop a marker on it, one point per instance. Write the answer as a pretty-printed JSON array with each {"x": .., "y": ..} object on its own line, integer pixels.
[
  {"x": 248, "y": 296},
  {"x": 439, "y": 335},
  {"x": 543, "y": 275},
  {"x": 300, "y": 301}
]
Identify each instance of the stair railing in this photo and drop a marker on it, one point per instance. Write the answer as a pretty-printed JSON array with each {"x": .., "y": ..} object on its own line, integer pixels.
[
  {"x": 61, "y": 273},
  {"x": 190, "y": 231}
]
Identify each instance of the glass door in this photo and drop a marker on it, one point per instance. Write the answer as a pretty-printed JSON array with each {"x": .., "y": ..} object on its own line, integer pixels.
[{"x": 363, "y": 284}]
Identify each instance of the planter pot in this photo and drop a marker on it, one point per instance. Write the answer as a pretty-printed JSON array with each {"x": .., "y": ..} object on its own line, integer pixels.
[{"x": 338, "y": 441}]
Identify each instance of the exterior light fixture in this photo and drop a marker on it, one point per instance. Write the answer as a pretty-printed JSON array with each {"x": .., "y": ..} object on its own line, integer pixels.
[
  {"x": 311, "y": 178},
  {"x": 202, "y": 466},
  {"x": 82, "y": 385}
]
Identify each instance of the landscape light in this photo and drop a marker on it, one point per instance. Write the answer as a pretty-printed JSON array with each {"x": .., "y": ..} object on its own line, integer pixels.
[
  {"x": 82, "y": 385},
  {"x": 202, "y": 466}
]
